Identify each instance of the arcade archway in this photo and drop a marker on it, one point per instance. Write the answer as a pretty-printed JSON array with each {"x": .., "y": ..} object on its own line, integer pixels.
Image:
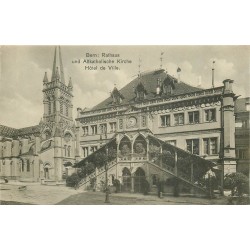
[
  {"x": 126, "y": 180},
  {"x": 139, "y": 179}
]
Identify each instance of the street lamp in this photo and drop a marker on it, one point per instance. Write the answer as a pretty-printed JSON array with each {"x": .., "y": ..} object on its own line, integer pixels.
[{"x": 106, "y": 177}]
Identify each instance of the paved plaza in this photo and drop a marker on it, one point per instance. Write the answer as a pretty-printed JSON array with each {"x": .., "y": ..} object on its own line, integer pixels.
[{"x": 15, "y": 193}]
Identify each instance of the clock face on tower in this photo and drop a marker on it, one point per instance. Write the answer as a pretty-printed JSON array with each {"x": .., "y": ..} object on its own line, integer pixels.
[{"x": 132, "y": 122}]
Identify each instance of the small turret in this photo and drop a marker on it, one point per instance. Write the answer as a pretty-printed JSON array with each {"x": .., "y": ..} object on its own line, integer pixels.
[
  {"x": 116, "y": 96},
  {"x": 179, "y": 74},
  {"x": 45, "y": 79},
  {"x": 70, "y": 85}
]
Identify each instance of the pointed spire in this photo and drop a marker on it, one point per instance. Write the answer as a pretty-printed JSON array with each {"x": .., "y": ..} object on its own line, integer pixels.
[
  {"x": 45, "y": 79},
  {"x": 61, "y": 66},
  {"x": 70, "y": 85},
  {"x": 57, "y": 71},
  {"x": 57, "y": 74}
]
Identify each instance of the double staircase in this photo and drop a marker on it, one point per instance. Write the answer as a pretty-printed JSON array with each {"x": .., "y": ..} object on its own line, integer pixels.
[{"x": 185, "y": 167}]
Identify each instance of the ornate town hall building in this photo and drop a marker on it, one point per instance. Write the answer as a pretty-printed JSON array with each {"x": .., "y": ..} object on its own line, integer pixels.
[
  {"x": 159, "y": 127},
  {"x": 155, "y": 128},
  {"x": 44, "y": 151}
]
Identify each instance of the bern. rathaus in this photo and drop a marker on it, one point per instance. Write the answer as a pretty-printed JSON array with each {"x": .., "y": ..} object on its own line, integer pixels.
[{"x": 156, "y": 127}]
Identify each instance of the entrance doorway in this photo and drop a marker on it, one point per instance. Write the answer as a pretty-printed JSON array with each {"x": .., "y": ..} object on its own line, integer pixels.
[
  {"x": 126, "y": 180},
  {"x": 46, "y": 171},
  {"x": 139, "y": 179}
]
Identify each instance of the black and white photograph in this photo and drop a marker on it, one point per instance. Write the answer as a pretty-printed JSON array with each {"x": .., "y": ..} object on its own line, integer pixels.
[{"x": 124, "y": 125}]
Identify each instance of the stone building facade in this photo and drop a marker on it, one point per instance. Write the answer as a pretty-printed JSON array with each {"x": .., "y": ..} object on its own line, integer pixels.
[{"x": 198, "y": 121}]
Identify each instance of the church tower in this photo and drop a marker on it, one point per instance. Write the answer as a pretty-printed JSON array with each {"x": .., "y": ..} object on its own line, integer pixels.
[
  {"x": 57, "y": 125},
  {"x": 57, "y": 96}
]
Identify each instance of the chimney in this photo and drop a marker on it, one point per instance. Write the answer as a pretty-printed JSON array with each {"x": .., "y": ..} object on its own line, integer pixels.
[
  {"x": 228, "y": 89},
  {"x": 179, "y": 74}
]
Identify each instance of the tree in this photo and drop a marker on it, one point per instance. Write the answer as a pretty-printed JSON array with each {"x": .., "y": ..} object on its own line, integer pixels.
[
  {"x": 72, "y": 180},
  {"x": 237, "y": 183}
]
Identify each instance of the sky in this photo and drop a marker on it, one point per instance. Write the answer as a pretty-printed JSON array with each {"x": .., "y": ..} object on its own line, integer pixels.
[{"x": 23, "y": 67}]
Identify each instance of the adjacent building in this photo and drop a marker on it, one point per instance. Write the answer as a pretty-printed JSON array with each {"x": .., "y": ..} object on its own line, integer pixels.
[{"x": 242, "y": 134}]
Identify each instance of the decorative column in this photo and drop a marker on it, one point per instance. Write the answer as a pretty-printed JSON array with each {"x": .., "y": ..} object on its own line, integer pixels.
[
  {"x": 228, "y": 127},
  {"x": 175, "y": 163},
  {"x": 132, "y": 179}
]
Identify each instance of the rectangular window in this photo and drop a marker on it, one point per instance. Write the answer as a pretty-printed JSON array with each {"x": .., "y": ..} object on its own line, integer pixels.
[
  {"x": 93, "y": 149},
  {"x": 193, "y": 146},
  {"x": 120, "y": 124},
  {"x": 245, "y": 123},
  {"x": 179, "y": 119},
  {"x": 103, "y": 128},
  {"x": 85, "y": 151},
  {"x": 171, "y": 142},
  {"x": 85, "y": 130},
  {"x": 165, "y": 120},
  {"x": 241, "y": 154},
  {"x": 94, "y": 129},
  {"x": 210, "y": 115},
  {"x": 193, "y": 117},
  {"x": 144, "y": 121},
  {"x": 112, "y": 127},
  {"x": 210, "y": 146}
]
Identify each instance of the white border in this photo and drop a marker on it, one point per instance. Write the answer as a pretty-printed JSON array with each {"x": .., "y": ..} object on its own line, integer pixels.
[{"x": 124, "y": 22}]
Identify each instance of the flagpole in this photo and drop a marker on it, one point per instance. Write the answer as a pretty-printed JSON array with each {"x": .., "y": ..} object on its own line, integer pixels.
[{"x": 213, "y": 75}]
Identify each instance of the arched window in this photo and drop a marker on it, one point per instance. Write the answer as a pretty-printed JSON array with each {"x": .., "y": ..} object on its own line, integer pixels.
[
  {"x": 65, "y": 150},
  {"x": 22, "y": 165},
  {"x": 28, "y": 165},
  {"x": 125, "y": 146},
  {"x": 140, "y": 145},
  {"x": 54, "y": 106},
  {"x": 61, "y": 106},
  {"x": 66, "y": 109},
  {"x": 49, "y": 106},
  {"x": 69, "y": 148}
]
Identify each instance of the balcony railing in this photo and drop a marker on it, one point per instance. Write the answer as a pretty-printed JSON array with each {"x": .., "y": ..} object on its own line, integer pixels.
[{"x": 132, "y": 157}]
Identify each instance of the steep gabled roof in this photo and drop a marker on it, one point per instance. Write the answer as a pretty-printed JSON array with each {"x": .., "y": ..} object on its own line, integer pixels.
[
  {"x": 28, "y": 130},
  {"x": 12, "y": 132},
  {"x": 149, "y": 80},
  {"x": 7, "y": 131}
]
